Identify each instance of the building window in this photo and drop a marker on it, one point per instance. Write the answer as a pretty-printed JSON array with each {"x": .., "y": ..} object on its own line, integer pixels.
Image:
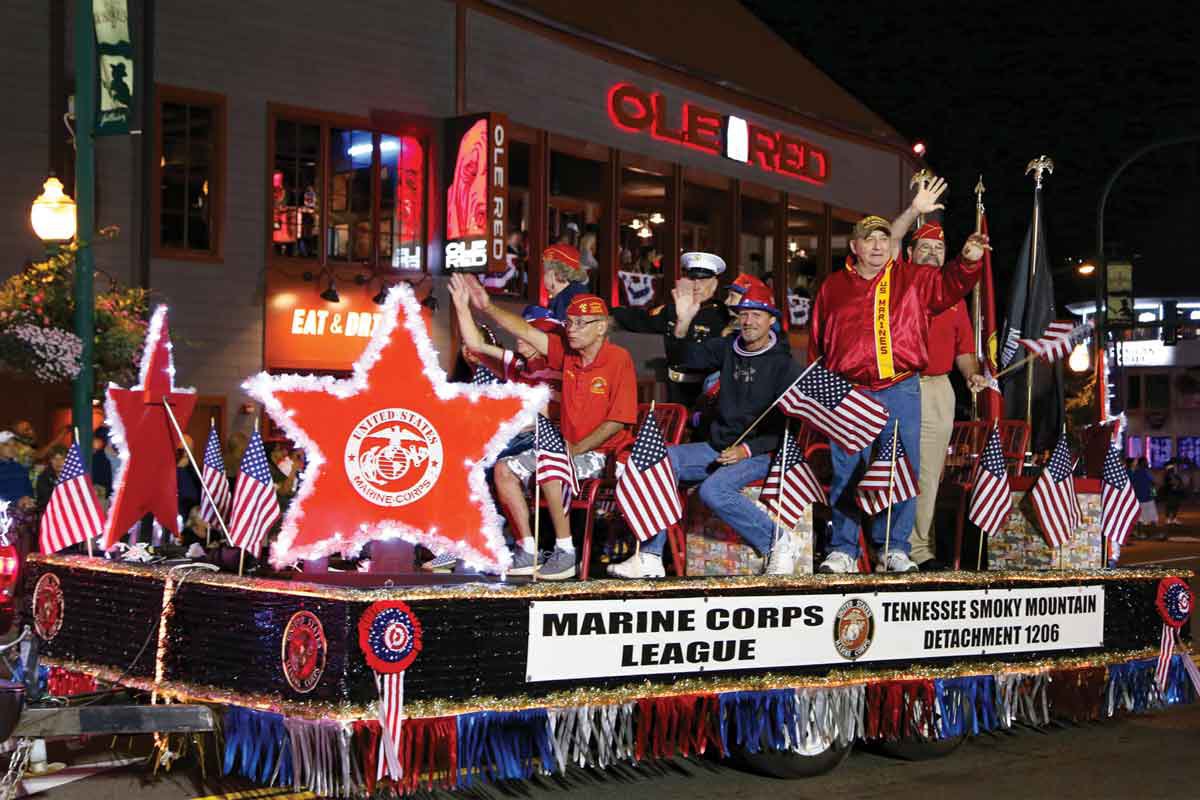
[
  {"x": 187, "y": 208},
  {"x": 1133, "y": 392},
  {"x": 1158, "y": 392},
  {"x": 344, "y": 195}
]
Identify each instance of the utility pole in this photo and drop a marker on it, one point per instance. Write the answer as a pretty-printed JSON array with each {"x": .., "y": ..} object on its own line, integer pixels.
[{"x": 85, "y": 205}]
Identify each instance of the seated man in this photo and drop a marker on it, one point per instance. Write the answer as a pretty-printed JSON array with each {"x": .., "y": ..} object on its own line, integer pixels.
[
  {"x": 756, "y": 368},
  {"x": 599, "y": 404}
]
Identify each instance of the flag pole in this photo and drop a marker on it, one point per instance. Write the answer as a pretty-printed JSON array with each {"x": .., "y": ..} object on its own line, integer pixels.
[
  {"x": 887, "y": 536},
  {"x": 779, "y": 494},
  {"x": 774, "y": 403},
  {"x": 977, "y": 298},
  {"x": 89, "y": 538},
  {"x": 195, "y": 469},
  {"x": 1038, "y": 166}
]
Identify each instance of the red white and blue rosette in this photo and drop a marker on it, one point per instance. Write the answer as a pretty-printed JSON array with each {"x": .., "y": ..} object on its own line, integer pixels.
[
  {"x": 389, "y": 635},
  {"x": 1174, "y": 602}
]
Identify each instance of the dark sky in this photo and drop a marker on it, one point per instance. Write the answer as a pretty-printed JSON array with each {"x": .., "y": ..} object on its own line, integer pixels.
[{"x": 990, "y": 85}]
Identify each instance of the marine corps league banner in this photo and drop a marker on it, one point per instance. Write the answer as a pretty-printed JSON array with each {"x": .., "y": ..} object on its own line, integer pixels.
[
  {"x": 575, "y": 639},
  {"x": 477, "y": 193},
  {"x": 115, "y": 66}
]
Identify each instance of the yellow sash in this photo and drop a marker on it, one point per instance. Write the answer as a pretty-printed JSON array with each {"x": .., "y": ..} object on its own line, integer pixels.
[{"x": 883, "y": 324}]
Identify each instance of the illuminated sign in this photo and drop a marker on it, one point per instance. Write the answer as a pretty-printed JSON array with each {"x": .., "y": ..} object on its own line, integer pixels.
[
  {"x": 477, "y": 195},
  {"x": 636, "y": 111}
]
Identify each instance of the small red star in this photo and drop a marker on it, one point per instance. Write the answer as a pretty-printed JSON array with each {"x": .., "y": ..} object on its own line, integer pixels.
[
  {"x": 146, "y": 439},
  {"x": 395, "y": 451}
]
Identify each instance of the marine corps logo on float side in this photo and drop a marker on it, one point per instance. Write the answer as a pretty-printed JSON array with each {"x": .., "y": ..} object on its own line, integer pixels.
[
  {"x": 48, "y": 606},
  {"x": 853, "y": 628},
  {"x": 393, "y": 457},
  {"x": 303, "y": 651}
]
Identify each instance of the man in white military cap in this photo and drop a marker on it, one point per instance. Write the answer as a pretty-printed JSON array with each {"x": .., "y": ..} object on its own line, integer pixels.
[{"x": 699, "y": 281}]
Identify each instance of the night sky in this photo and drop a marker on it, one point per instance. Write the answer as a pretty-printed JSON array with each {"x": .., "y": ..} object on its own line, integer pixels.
[{"x": 989, "y": 86}]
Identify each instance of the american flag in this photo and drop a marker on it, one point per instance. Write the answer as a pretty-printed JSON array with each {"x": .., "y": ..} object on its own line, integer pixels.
[
  {"x": 646, "y": 491},
  {"x": 1054, "y": 497},
  {"x": 791, "y": 485},
  {"x": 553, "y": 461},
  {"x": 255, "y": 507},
  {"x": 879, "y": 487},
  {"x": 72, "y": 516},
  {"x": 833, "y": 406},
  {"x": 215, "y": 480},
  {"x": 991, "y": 499},
  {"x": 1058, "y": 340},
  {"x": 1118, "y": 504},
  {"x": 483, "y": 376}
]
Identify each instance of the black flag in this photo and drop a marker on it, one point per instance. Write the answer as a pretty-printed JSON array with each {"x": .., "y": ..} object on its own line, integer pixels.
[{"x": 1030, "y": 310}]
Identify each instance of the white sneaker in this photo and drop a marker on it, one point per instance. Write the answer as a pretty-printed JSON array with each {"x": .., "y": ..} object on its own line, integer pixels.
[
  {"x": 638, "y": 566},
  {"x": 782, "y": 560},
  {"x": 897, "y": 562},
  {"x": 839, "y": 563}
]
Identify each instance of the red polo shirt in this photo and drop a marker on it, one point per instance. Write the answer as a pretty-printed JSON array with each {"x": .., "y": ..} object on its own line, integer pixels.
[
  {"x": 950, "y": 336},
  {"x": 603, "y": 390}
]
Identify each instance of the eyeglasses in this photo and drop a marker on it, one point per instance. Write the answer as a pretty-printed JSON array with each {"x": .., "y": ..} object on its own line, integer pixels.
[{"x": 573, "y": 324}]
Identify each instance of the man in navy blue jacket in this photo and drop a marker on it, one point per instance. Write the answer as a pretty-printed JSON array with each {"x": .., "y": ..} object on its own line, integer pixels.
[{"x": 756, "y": 367}]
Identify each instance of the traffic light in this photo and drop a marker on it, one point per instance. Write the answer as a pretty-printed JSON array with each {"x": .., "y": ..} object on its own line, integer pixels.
[{"x": 1170, "y": 327}]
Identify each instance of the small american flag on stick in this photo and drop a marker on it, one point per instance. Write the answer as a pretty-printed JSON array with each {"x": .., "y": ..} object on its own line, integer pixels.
[
  {"x": 553, "y": 461},
  {"x": 881, "y": 485},
  {"x": 991, "y": 497},
  {"x": 1118, "y": 504},
  {"x": 646, "y": 491},
  {"x": 255, "y": 507},
  {"x": 72, "y": 516},
  {"x": 215, "y": 480},
  {"x": 1058, "y": 340},
  {"x": 790, "y": 486},
  {"x": 832, "y": 405},
  {"x": 1054, "y": 497}
]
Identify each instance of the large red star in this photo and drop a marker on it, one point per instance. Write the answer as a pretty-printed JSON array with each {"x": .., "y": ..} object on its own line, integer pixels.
[
  {"x": 146, "y": 439},
  {"x": 395, "y": 450}
]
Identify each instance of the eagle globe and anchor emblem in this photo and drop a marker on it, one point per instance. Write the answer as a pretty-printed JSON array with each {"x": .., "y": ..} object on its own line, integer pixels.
[{"x": 393, "y": 457}]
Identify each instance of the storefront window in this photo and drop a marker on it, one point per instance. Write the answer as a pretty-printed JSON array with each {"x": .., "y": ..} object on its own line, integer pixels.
[
  {"x": 296, "y": 190},
  {"x": 515, "y": 277},
  {"x": 805, "y": 252},
  {"x": 190, "y": 125},
  {"x": 402, "y": 202},
  {"x": 576, "y": 200},
  {"x": 351, "y": 155},
  {"x": 1158, "y": 392},
  {"x": 643, "y": 236},
  {"x": 843, "y": 227},
  {"x": 758, "y": 234},
  {"x": 706, "y": 209}
]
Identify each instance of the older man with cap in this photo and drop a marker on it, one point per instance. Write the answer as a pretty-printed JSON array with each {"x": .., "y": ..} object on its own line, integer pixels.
[
  {"x": 756, "y": 367},
  {"x": 951, "y": 344},
  {"x": 699, "y": 283},
  {"x": 870, "y": 324},
  {"x": 599, "y": 406}
]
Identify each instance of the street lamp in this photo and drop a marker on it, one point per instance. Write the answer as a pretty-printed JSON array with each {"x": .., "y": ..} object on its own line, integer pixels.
[
  {"x": 53, "y": 214},
  {"x": 1086, "y": 269},
  {"x": 1080, "y": 358}
]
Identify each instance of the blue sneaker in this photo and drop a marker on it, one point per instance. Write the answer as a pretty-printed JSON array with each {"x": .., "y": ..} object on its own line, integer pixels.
[
  {"x": 522, "y": 563},
  {"x": 560, "y": 566}
]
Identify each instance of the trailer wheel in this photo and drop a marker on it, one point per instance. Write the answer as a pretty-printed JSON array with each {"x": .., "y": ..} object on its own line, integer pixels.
[
  {"x": 817, "y": 756},
  {"x": 917, "y": 750}
]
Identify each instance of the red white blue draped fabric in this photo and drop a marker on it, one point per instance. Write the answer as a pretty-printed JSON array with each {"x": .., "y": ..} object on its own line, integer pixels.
[
  {"x": 991, "y": 497},
  {"x": 389, "y": 636},
  {"x": 1174, "y": 602},
  {"x": 483, "y": 376},
  {"x": 790, "y": 486},
  {"x": 553, "y": 461},
  {"x": 1058, "y": 340},
  {"x": 1054, "y": 497},
  {"x": 1118, "y": 504},
  {"x": 646, "y": 491},
  {"x": 881, "y": 486},
  {"x": 833, "y": 406},
  {"x": 215, "y": 481},
  {"x": 72, "y": 515},
  {"x": 255, "y": 507}
]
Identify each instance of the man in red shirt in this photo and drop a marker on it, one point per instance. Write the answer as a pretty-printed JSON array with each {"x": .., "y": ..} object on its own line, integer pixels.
[
  {"x": 599, "y": 406},
  {"x": 870, "y": 324},
  {"x": 951, "y": 343}
]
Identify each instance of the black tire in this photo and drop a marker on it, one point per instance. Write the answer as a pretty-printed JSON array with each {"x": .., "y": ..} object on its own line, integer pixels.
[
  {"x": 791, "y": 766},
  {"x": 918, "y": 750}
]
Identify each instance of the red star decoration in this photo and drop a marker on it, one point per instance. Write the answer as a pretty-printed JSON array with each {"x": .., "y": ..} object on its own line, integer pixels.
[
  {"x": 146, "y": 439},
  {"x": 395, "y": 451}
]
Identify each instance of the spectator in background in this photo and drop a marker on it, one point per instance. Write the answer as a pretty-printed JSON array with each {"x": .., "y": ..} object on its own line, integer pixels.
[
  {"x": 102, "y": 466},
  {"x": 569, "y": 235},
  {"x": 1143, "y": 490},
  {"x": 235, "y": 448},
  {"x": 1173, "y": 493},
  {"x": 14, "y": 477},
  {"x": 48, "y": 478},
  {"x": 188, "y": 485},
  {"x": 563, "y": 278}
]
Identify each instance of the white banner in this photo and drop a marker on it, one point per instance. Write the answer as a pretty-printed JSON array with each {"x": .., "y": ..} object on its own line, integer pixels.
[{"x": 572, "y": 639}]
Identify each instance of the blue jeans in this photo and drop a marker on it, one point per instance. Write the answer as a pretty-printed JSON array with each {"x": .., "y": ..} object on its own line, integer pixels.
[
  {"x": 903, "y": 402},
  {"x": 721, "y": 490}
]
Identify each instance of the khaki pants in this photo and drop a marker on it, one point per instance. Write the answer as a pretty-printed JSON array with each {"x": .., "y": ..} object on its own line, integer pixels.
[{"x": 937, "y": 422}]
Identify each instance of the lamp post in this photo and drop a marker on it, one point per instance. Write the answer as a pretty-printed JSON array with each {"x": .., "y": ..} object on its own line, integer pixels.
[
  {"x": 52, "y": 215},
  {"x": 85, "y": 198}
]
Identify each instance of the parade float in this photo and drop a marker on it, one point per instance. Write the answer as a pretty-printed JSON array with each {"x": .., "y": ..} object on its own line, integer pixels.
[{"x": 343, "y": 684}]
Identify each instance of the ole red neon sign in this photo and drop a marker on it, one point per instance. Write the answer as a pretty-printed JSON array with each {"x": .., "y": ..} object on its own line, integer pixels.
[{"x": 637, "y": 111}]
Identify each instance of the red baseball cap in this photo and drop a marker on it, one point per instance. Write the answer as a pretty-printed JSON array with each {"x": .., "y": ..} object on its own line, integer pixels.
[
  {"x": 930, "y": 230},
  {"x": 758, "y": 298},
  {"x": 587, "y": 305}
]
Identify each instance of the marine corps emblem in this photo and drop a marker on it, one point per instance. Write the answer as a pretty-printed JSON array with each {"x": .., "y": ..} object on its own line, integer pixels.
[
  {"x": 853, "y": 628},
  {"x": 48, "y": 606},
  {"x": 303, "y": 652},
  {"x": 393, "y": 457}
]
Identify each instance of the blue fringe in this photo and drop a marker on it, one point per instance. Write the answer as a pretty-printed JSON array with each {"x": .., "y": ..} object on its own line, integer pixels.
[
  {"x": 254, "y": 742},
  {"x": 1135, "y": 678},
  {"x": 504, "y": 745},
  {"x": 968, "y": 705},
  {"x": 1179, "y": 685},
  {"x": 760, "y": 720}
]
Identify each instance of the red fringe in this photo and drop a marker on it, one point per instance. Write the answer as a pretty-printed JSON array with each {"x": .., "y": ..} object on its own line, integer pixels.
[
  {"x": 366, "y": 744},
  {"x": 680, "y": 725},
  {"x": 65, "y": 683},
  {"x": 1077, "y": 694},
  {"x": 429, "y": 747},
  {"x": 893, "y": 712}
]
